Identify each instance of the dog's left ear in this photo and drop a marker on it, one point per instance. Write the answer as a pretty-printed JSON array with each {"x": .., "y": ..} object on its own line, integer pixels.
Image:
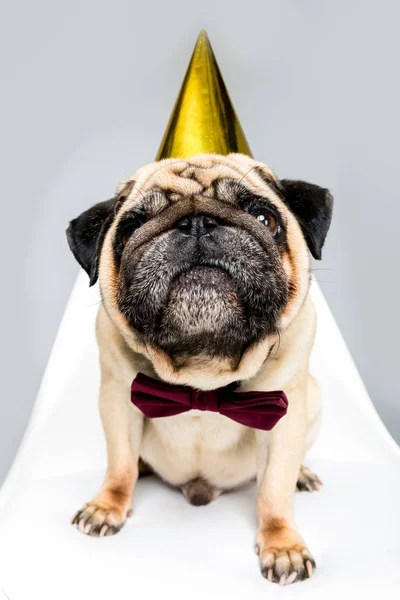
[
  {"x": 86, "y": 233},
  {"x": 312, "y": 206}
]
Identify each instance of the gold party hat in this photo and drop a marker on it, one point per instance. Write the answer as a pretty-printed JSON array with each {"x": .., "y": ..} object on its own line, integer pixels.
[{"x": 203, "y": 119}]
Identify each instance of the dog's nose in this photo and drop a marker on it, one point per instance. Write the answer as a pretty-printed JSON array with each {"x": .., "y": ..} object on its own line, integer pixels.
[{"x": 197, "y": 225}]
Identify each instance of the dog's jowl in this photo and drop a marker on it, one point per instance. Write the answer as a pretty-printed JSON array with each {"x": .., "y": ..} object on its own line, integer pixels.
[{"x": 204, "y": 271}]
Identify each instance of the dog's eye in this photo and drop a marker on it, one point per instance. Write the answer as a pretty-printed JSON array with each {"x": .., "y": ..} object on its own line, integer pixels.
[
  {"x": 129, "y": 229},
  {"x": 268, "y": 220},
  {"x": 126, "y": 234}
]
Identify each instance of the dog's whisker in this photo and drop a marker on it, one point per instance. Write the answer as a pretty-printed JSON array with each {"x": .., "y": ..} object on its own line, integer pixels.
[
  {"x": 137, "y": 189},
  {"x": 313, "y": 270},
  {"x": 279, "y": 342},
  {"x": 245, "y": 175}
]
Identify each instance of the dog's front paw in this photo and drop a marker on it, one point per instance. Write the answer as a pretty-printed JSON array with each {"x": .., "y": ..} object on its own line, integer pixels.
[
  {"x": 284, "y": 558},
  {"x": 105, "y": 515}
]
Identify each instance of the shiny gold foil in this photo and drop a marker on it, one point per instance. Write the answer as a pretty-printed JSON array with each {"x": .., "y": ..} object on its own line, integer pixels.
[{"x": 203, "y": 119}]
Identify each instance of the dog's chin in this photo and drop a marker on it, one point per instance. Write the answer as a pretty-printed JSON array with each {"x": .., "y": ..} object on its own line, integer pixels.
[
  {"x": 203, "y": 316},
  {"x": 202, "y": 300}
]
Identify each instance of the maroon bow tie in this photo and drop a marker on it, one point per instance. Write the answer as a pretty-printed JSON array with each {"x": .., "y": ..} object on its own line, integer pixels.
[{"x": 260, "y": 410}]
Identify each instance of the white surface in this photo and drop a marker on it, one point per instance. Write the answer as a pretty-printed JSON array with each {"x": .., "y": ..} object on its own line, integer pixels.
[{"x": 170, "y": 548}]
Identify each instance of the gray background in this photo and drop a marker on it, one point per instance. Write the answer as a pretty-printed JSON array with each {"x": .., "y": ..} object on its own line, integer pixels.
[{"x": 86, "y": 91}]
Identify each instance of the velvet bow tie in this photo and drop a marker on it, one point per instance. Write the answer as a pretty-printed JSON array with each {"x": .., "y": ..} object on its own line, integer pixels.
[{"x": 260, "y": 410}]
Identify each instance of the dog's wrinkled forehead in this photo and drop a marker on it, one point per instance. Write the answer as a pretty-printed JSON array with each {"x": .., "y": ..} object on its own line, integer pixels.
[{"x": 203, "y": 175}]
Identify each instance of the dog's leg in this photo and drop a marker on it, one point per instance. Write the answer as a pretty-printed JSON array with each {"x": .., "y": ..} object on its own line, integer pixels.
[
  {"x": 107, "y": 512},
  {"x": 284, "y": 557}
]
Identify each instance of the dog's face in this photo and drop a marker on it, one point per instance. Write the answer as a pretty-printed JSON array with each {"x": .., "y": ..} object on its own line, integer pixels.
[{"x": 203, "y": 261}]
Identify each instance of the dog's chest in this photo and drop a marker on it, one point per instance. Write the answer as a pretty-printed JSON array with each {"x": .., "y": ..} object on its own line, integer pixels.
[{"x": 199, "y": 444}]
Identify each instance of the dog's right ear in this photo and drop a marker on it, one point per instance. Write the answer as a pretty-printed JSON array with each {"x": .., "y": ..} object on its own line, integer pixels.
[{"x": 86, "y": 233}]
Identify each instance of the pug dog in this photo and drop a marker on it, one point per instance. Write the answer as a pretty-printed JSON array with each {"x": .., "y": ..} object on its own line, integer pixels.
[{"x": 204, "y": 272}]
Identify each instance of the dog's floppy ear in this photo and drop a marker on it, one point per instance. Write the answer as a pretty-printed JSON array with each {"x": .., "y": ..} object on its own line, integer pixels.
[
  {"x": 86, "y": 233},
  {"x": 312, "y": 206}
]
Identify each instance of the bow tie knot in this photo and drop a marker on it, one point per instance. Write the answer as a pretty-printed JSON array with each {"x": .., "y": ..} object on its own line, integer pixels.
[
  {"x": 259, "y": 410},
  {"x": 203, "y": 400},
  {"x": 206, "y": 400}
]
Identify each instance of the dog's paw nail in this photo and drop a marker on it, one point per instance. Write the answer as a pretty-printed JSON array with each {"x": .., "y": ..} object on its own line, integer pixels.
[
  {"x": 291, "y": 578},
  {"x": 103, "y": 530},
  {"x": 87, "y": 528},
  {"x": 81, "y": 525},
  {"x": 282, "y": 580},
  {"x": 309, "y": 568}
]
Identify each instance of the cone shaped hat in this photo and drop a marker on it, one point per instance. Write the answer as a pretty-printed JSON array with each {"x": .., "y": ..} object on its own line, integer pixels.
[{"x": 203, "y": 119}]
